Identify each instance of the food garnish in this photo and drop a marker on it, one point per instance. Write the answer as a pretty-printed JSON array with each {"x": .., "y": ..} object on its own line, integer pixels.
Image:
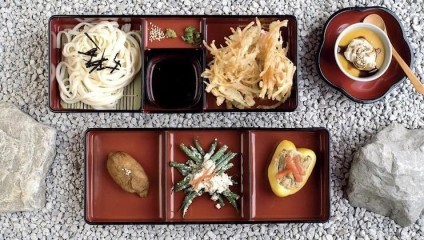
[
  {"x": 170, "y": 33},
  {"x": 156, "y": 33},
  {"x": 191, "y": 36},
  {"x": 99, "y": 61},
  {"x": 128, "y": 173},
  {"x": 253, "y": 64},
  {"x": 290, "y": 168},
  {"x": 204, "y": 172}
]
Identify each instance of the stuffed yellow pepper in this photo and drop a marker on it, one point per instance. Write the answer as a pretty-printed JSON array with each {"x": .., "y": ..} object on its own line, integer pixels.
[{"x": 290, "y": 168}]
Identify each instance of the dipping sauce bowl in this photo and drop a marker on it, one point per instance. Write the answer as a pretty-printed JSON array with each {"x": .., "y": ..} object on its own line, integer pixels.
[{"x": 173, "y": 81}]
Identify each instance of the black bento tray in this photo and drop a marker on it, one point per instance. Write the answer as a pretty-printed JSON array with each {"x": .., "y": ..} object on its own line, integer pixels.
[{"x": 212, "y": 27}]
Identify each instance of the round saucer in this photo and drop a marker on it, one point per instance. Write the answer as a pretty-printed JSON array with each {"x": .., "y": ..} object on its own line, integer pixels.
[{"x": 362, "y": 92}]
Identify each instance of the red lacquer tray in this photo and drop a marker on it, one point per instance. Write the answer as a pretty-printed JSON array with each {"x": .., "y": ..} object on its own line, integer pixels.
[
  {"x": 106, "y": 203},
  {"x": 135, "y": 97}
]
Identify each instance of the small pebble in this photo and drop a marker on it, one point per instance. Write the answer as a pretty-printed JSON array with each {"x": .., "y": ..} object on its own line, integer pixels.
[{"x": 24, "y": 82}]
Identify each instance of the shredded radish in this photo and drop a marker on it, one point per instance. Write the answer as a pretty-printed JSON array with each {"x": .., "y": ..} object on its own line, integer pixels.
[{"x": 101, "y": 88}]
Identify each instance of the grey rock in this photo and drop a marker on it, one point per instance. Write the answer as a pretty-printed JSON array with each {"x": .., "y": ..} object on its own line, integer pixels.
[
  {"x": 27, "y": 149},
  {"x": 387, "y": 175}
]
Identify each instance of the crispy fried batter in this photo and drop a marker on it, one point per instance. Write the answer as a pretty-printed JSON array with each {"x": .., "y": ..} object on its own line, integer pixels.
[{"x": 253, "y": 64}]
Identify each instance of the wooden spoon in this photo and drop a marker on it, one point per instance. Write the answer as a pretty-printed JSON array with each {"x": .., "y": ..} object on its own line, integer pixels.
[{"x": 376, "y": 20}]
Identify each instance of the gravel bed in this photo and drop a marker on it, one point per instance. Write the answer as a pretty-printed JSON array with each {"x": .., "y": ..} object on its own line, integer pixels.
[{"x": 24, "y": 82}]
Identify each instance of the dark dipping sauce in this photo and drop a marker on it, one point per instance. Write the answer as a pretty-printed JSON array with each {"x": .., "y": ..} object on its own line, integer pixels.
[{"x": 174, "y": 81}]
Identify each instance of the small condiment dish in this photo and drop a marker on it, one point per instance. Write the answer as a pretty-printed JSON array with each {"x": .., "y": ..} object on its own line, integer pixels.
[{"x": 386, "y": 51}]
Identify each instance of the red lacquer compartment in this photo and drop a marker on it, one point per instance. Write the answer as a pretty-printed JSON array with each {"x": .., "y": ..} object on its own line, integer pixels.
[
  {"x": 203, "y": 208},
  {"x": 131, "y": 101},
  {"x": 105, "y": 201},
  {"x": 312, "y": 202},
  {"x": 219, "y": 28},
  {"x": 178, "y": 24}
]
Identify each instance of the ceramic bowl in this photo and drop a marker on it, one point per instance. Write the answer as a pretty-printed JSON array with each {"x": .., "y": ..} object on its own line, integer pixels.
[{"x": 386, "y": 44}]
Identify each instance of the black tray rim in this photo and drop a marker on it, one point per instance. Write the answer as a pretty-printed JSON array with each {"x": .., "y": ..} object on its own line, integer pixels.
[
  {"x": 327, "y": 214},
  {"x": 203, "y": 110},
  {"x": 342, "y": 90}
]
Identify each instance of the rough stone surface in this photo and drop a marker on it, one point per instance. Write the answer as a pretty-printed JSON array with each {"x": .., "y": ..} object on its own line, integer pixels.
[
  {"x": 387, "y": 175},
  {"x": 24, "y": 82},
  {"x": 27, "y": 150}
]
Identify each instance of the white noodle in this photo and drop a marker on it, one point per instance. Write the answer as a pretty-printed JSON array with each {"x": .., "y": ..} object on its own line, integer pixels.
[{"x": 101, "y": 89}]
